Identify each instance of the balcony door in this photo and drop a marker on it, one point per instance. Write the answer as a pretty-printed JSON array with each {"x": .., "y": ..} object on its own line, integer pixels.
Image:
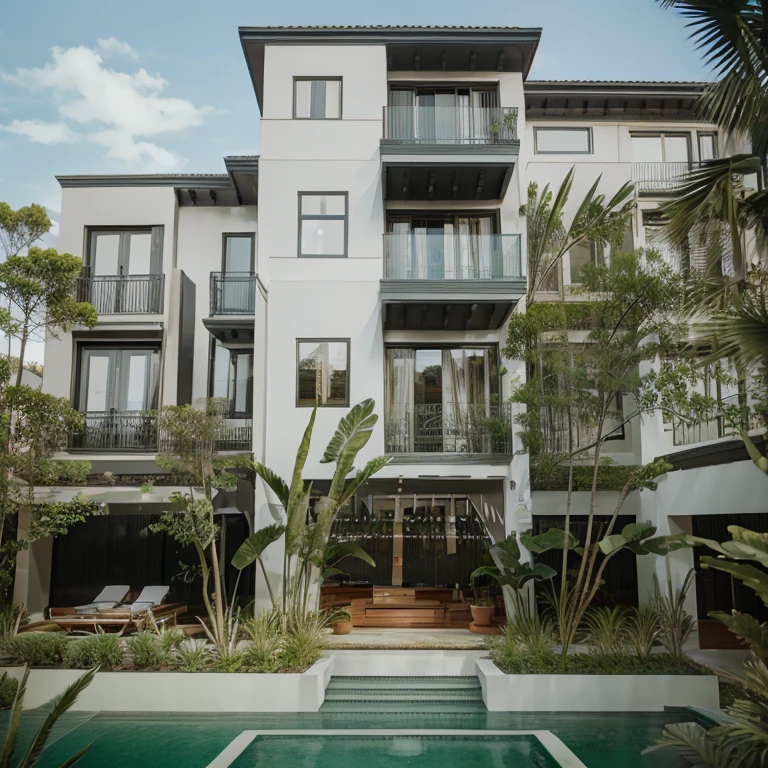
[
  {"x": 238, "y": 285},
  {"x": 118, "y": 380},
  {"x": 125, "y": 270},
  {"x": 437, "y": 399},
  {"x": 443, "y": 247}
]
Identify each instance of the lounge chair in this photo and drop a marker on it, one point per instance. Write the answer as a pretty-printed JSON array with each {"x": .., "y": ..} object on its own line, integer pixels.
[
  {"x": 109, "y": 597},
  {"x": 149, "y": 598}
]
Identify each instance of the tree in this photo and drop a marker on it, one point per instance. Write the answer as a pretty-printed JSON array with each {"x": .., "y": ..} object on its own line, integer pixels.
[
  {"x": 41, "y": 286},
  {"x": 306, "y": 537},
  {"x": 575, "y": 391},
  {"x": 22, "y": 227}
]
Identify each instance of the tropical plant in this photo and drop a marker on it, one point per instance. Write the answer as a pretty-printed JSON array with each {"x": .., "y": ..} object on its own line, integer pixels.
[
  {"x": 643, "y": 628},
  {"x": 251, "y": 550},
  {"x": 10, "y": 758},
  {"x": 306, "y": 540},
  {"x": 11, "y": 618},
  {"x": 102, "y": 649},
  {"x": 336, "y": 553},
  {"x": 606, "y": 628},
  {"x": 676, "y": 624},
  {"x": 263, "y": 653},
  {"x": 303, "y": 642},
  {"x": 191, "y": 656},
  {"x": 35, "y": 649},
  {"x": 146, "y": 651},
  {"x": 8, "y": 687}
]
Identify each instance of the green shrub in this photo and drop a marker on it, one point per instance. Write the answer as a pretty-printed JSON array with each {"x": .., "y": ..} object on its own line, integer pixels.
[
  {"x": 191, "y": 656},
  {"x": 606, "y": 628},
  {"x": 610, "y": 477},
  {"x": 99, "y": 650},
  {"x": 229, "y": 662},
  {"x": 643, "y": 627},
  {"x": 303, "y": 642},
  {"x": 8, "y": 688},
  {"x": 147, "y": 651},
  {"x": 263, "y": 652},
  {"x": 11, "y": 618},
  {"x": 37, "y": 649}
]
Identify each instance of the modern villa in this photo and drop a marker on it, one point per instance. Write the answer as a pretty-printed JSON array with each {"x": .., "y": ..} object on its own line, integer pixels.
[{"x": 373, "y": 246}]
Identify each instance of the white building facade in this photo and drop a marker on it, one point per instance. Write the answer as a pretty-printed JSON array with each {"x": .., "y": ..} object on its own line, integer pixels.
[{"x": 374, "y": 248}]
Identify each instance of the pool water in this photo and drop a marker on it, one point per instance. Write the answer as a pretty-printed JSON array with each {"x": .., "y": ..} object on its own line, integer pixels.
[
  {"x": 600, "y": 740},
  {"x": 384, "y": 752}
]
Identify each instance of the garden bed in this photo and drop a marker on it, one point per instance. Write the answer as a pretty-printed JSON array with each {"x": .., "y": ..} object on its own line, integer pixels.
[
  {"x": 648, "y": 689},
  {"x": 133, "y": 691}
]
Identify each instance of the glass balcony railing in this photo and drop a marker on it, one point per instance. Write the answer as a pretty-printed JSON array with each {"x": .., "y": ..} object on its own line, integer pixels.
[
  {"x": 421, "y": 256},
  {"x": 122, "y": 294},
  {"x": 450, "y": 125},
  {"x": 660, "y": 177},
  {"x": 449, "y": 428},
  {"x": 233, "y": 293}
]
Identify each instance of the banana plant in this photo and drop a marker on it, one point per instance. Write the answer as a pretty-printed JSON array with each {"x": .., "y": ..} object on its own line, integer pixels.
[
  {"x": 336, "y": 553},
  {"x": 306, "y": 541},
  {"x": 251, "y": 550}
]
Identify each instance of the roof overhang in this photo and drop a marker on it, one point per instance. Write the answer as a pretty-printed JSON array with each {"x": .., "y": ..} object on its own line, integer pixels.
[
  {"x": 231, "y": 330},
  {"x": 612, "y": 100},
  {"x": 452, "y": 49}
]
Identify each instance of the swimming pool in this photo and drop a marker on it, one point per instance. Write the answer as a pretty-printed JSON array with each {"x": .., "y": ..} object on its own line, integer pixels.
[{"x": 600, "y": 740}]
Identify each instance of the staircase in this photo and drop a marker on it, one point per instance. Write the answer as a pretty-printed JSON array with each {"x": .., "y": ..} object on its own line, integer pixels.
[{"x": 434, "y": 695}]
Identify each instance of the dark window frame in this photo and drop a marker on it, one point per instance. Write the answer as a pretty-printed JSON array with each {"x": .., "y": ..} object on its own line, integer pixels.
[
  {"x": 224, "y": 236},
  {"x": 699, "y": 136},
  {"x": 319, "y": 217},
  {"x": 156, "y": 232},
  {"x": 580, "y": 129},
  {"x": 232, "y": 414},
  {"x": 319, "y": 340},
  {"x": 316, "y": 78}
]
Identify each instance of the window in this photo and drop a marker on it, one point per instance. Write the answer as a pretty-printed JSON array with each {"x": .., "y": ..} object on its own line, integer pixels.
[
  {"x": 581, "y": 255},
  {"x": 322, "y": 372},
  {"x": 119, "y": 380},
  {"x": 661, "y": 147},
  {"x": 323, "y": 224},
  {"x": 231, "y": 379},
  {"x": 707, "y": 146},
  {"x": 238, "y": 253},
  {"x": 558, "y": 141},
  {"x": 317, "y": 99},
  {"x": 126, "y": 251}
]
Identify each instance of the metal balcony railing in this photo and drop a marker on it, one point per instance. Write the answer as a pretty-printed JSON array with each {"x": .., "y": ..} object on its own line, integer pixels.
[
  {"x": 711, "y": 427},
  {"x": 450, "y": 125},
  {"x": 233, "y": 293},
  {"x": 117, "y": 431},
  {"x": 422, "y": 256},
  {"x": 449, "y": 428},
  {"x": 660, "y": 177},
  {"x": 236, "y": 435},
  {"x": 122, "y": 294}
]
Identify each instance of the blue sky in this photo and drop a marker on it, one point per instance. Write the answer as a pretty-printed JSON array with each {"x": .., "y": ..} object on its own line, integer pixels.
[{"x": 167, "y": 88}]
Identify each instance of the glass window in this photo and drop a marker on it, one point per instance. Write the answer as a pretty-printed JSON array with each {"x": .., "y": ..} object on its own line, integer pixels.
[
  {"x": 323, "y": 224},
  {"x": 139, "y": 253},
  {"x": 581, "y": 255},
  {"x": 238, "y": 253},
  {"x": 126, "y": 252},
  {"x": 322, "y": 372},
  {"x": 707, "y": 146},
  {"x": 563, "y": 140},
  {"x": 105, "y": 253},
  {"x": 121, "y": 380},
  {"x": 661, "y": 148},
  {"x": 232, "y": 379},
  {"x": 317, "y": 99}
]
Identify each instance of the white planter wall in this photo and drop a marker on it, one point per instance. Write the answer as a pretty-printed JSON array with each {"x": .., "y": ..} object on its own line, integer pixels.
[
  {"x": 593, "y": 693},
  {"x": 183, "y": 691},
  {"x": 381, "y": 663}
]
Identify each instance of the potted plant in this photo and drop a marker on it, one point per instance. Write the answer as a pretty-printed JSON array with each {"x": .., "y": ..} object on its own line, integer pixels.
[
  {"x": 482, "y": 608},
  {"x": 341, "y": 623}
]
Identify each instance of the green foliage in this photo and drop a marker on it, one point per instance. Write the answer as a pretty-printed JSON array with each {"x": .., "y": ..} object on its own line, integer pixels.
[
  {"x": 335, "y": 554},
  {"x": 146, "y": 651},
  {"x": 253, "y": 547},
  {"x": 36, "y": 649},
  {"x": 191, "y": 656},
  {"x": 675, "y": 622},
  {"x": 55, "y": 518},
  {"x": 233, "y": 661},
  {"x": 11, "y": 618},
  {"x": 263, "y": 653},
  {"x": 606, "y": 629},
  {"x": 103, "y": 650},
  {"x": 8, "y": 688},
  {"x": 643, "y": 628},
  {"x": 610, "y": 477},
  {"x": 303, "y": 643},
  {"x": 22, "y": 227}
]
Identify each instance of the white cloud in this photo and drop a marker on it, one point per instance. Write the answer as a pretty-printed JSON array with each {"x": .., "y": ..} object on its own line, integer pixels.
[
  {"x": 118, "y": 110},
  {"x": 111, "y": 45},
  {"x": 40, "y": 132}
]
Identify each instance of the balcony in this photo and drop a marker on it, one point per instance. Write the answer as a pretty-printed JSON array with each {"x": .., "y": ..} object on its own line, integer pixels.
[
  {"x": 448, "y": 153},
  {"x": 122, "y": 294},
  {"x": 450, "y": 281},
  {"x": 117, "y": 432},
  {"x": 712, "y": 427},
  {"x": 233, "y": 305},
  {"x": 458, "y": 432},
  {"x": 659, "y": 178},
  {"x": 236, "y": 435}
]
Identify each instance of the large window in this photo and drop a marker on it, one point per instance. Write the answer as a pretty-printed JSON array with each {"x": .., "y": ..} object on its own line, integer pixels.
[
  {"x": 661, "y": 147},
  {"x": 323, "y": 223},
  {"x": 707, "y": 146},
  {"x": 231, "y": 379},
  {"x": 322, "y": 372},
  {"x": 118, "y": 380},
  {"x": 562, "y": 141},
  {"x": 317, "y": 99},
  {"x": 581, "y": 255},
  {"x": 125, "y": 251},
  {"x": 238, "y": 253}
]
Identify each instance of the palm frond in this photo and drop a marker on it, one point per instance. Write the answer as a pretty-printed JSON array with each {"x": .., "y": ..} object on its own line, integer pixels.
[
  {"x": 59, "y": 706},
  {"x": 694, "y": 743},
  {"x": 72, "y": 760},
  {"x": 14, "y": 721}
]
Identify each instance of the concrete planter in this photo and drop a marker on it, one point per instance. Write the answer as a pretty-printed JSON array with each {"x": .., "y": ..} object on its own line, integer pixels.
[
  {"x": 593, "y": 693},
  {"x": 184, "y": 691}
]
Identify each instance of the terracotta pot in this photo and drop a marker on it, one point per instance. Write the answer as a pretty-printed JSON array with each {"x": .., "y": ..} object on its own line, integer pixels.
[
  {"x": 342, "y": 627},
  {"x": 482, "y": 614}
]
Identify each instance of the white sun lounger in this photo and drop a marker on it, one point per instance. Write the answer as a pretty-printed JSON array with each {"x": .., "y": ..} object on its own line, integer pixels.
[
  {"x": 109, "y": 597},
  {"x": 149, "y": 597}
]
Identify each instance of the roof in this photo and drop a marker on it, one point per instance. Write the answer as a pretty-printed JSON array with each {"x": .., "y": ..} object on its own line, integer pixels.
[
  {"x": 238, "y": 186},
  {"x": 449, "y": 48}
]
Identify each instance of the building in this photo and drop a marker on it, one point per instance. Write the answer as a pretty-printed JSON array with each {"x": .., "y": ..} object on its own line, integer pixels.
[{"x": 374, "y": 248}]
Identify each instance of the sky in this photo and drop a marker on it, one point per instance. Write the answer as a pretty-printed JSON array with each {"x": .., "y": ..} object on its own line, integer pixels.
[{"x": 107, "y": 86}]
